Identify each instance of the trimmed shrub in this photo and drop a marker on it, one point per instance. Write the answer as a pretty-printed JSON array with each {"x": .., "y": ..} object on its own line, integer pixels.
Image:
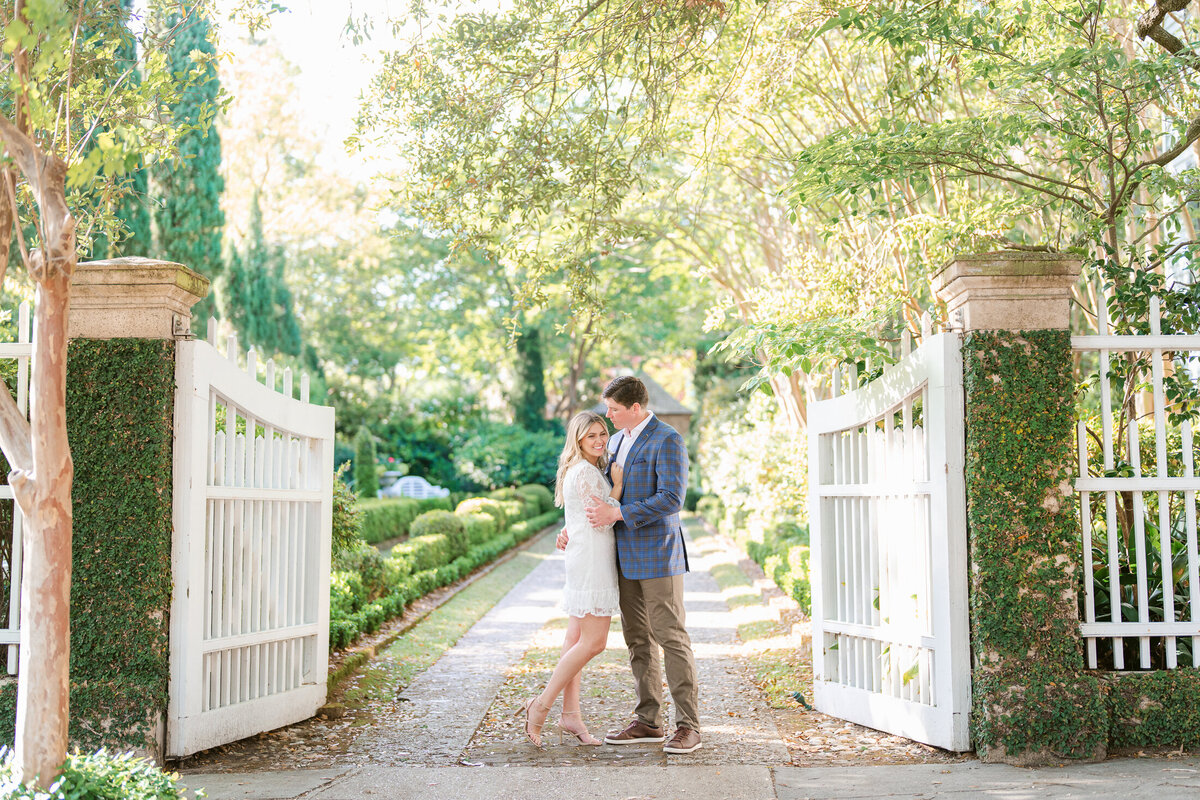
[
  {"x": 378, "y": 571},
  {"x": 435, "y": 504},
  {"x": 445, "y": 523},
  {"x": 783, "y": 556},
  {"x": 514, "y": 510},
  {"x": 368, "y": 588},
  {"x": 525, "y": 507},
  {"x": 485, "y": 505},
  {"x": 425, "y": 552},
  {"x": 526, "y": 528},
  {"x": 690, "y": 498},
  {"x": 480, "y": 527},
  {"x": 540, "y": 494},
  {"x": 95, "y": 776},
  {"x": 385, "y": 518}
]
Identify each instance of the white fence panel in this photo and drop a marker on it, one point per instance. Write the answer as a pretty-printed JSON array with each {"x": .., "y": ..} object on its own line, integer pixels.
[
  {"x": 887, "y": 508},
  {"x": 253, "y": 520},
  {"x": 10, "y": 633},
  {"x": 1146, "y": 588}
]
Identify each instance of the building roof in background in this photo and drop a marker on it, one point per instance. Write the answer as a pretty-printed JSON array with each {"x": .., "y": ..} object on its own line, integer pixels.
[{"x": 662, "y": 402}]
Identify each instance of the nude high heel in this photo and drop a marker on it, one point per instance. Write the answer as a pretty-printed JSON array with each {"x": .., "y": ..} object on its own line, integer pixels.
[
  {"x": 584, "y": 738},
  {"x": 534, "y": 735}
]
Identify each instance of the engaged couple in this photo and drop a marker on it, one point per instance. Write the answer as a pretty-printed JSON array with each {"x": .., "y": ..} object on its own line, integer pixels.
[{"x": 624, "y": 551}]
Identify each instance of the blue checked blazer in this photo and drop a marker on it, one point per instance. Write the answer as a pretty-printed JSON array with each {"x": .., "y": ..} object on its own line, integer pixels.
[{"x": 650, "y": 538}]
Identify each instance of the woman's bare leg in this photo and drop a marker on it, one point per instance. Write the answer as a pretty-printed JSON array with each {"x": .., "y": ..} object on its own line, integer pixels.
[
  {"x": 570, "y": 693},
  {"x": 593, "y": 638}
]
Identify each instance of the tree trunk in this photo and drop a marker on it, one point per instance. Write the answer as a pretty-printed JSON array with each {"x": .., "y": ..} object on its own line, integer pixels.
[
  {"x": 791, "y": 400},
  {"x": 45, "y": 500}
]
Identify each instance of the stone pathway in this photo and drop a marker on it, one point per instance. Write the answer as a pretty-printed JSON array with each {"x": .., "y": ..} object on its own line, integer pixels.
[
  {"x": 737, "y": 726},
  {"x": 435, "y": 716}
]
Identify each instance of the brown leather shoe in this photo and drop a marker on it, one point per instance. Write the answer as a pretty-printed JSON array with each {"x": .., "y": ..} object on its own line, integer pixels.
[
  {"x": 685, "y": 740},
  {"x": 636, "y": 733}
]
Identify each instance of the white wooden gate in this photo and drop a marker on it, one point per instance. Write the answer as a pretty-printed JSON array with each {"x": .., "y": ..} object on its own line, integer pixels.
[
  {"x": 253, "y": 510},
  {"x": 20, "y": 352},
  {"x": 887, "y": 509}
]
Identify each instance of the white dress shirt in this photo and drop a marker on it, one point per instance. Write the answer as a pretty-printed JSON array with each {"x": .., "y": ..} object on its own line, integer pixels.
[{"x": 628, "y": 439}]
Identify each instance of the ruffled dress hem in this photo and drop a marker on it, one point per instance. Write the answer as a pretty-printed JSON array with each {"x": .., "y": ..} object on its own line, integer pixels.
[{"x": 601, "y": 603}]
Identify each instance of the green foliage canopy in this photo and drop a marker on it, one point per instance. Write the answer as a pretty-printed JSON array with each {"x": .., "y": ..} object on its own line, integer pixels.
[{"x": 1060, "y": 108}]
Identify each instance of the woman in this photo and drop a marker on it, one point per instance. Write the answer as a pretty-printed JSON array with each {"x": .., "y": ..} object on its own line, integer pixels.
[{"x": 590, "y": 596}]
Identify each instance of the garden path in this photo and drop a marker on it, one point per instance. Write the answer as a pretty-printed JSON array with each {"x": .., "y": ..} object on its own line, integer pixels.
[{"x": 459, "y": 710}]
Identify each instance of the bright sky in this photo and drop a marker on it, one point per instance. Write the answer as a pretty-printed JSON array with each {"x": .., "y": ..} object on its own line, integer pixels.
[{"x": 333, "y": 71}]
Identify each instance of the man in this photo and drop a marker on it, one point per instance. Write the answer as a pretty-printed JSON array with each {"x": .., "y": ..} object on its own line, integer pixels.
[{"x": 651, "y": 560}]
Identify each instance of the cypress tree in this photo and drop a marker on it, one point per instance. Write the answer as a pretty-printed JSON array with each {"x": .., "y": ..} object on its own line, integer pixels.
[
  {"x": 529, "y": 401},
  {"x": 366, "y": 476},
  {"x": 256, "y": 296},
  {"x": 188, "y": 189}
]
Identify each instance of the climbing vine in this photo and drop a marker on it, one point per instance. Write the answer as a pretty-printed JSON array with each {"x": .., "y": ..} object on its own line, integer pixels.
[
  {"x": 120, "y": 396},
  {"x": 1031, "y": 698}
]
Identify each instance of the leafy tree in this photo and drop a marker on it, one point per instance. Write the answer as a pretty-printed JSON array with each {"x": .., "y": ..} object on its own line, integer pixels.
[
  {"x": 51, "y": 187},
  {"x": 528, "y": 129},
  {"x": 677, "y": 172},
  {"x": 188, "y": 187},
  {"x": 815, "y": 163},
  {"x": 366, "y": 470},
  {"x": 130, "y": 233},
  {"x": 497, "y": 456},
  {"x": 1058, "y": 106}
]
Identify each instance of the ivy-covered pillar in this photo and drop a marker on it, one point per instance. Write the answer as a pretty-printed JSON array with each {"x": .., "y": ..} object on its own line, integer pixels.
[
  {"x": 125, "y": 317},
  {"x": 1033, "y": 703}
]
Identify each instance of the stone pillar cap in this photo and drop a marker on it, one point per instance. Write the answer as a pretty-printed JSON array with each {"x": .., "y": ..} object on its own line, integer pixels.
[
  {"x": 134, "y": 297},
  {"x": 1008, "y": 290}
]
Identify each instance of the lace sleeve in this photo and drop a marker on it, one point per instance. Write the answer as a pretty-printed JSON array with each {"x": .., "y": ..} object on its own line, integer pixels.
[{"x": 589, "y": 482}]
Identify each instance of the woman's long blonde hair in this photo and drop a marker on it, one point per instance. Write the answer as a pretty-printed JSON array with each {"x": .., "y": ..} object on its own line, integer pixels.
[{"x": 577, "y": 428}]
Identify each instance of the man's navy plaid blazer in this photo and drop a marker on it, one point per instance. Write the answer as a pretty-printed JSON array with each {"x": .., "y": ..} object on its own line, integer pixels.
[{"x": 650, "y": 539}]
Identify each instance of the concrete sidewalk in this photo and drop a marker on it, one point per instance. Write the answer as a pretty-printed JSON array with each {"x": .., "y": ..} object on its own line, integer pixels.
[{"x": 1123, "y": 779}]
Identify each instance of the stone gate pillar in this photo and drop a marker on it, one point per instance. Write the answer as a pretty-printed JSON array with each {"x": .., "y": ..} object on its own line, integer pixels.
[
  {"x": 1032, "y": 701},
  {"x": 125, "y": 317}
]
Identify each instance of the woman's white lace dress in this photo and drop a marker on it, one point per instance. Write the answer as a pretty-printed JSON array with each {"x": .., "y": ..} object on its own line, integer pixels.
[{"x": 591, "y": 555}]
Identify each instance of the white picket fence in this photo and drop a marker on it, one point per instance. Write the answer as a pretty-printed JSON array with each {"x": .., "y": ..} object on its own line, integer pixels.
[
  {"x": 887, "y": 512},
  {"x": 1135, "y": 563},
  {"x": 253, "y": 510},
  {"x": 19, "y": 351}
]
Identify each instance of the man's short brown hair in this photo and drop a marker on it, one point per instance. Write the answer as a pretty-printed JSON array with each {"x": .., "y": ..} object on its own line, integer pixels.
[{"x": 626, "y": 390}]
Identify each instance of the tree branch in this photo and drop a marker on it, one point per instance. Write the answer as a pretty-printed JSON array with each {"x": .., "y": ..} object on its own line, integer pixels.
[
  {"x": 16, "y": 438},
  {"x": 1149, "y": 24},
  {"x": 46, "y": 173}
]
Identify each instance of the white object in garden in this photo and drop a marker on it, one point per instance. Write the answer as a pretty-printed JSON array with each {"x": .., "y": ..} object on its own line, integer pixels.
[
  {"x": 887, "y": 508},
  {"x": 253, "y": 502},
  {"x": 414, "y": 486},
  {"x": 20, "y": 352},
  {"x": 1156, "y": 623}
]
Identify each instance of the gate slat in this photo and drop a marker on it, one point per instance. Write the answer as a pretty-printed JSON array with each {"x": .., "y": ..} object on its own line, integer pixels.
[{"x": 1189, "y": 511}]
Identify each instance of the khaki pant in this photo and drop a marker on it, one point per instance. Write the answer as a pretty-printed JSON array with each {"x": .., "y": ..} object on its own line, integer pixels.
[{"x": 652, "y": 615}]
